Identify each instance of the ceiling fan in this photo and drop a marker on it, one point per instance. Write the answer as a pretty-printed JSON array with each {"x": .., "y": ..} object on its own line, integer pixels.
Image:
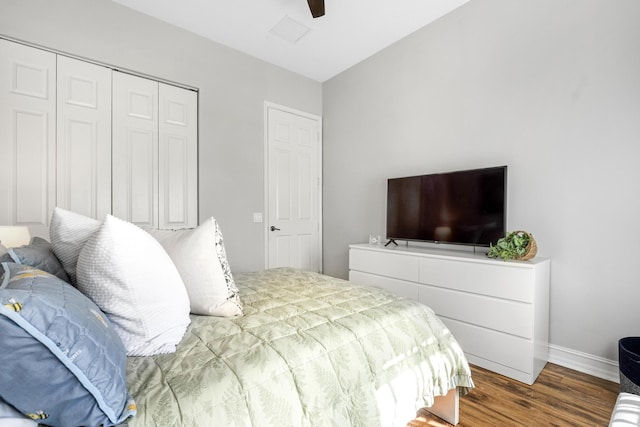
[{"x": 316, "y": 7}]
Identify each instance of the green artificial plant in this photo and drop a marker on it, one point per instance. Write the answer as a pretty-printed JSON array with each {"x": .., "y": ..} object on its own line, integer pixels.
[{"x": 512, "y": 246}]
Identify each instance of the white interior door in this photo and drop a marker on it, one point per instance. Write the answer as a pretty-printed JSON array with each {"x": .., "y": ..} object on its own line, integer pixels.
[
  {"x": 84, "y": 138},
  {"x": 27, "y": 136},
  {"x": 293, "y": 189},
  {"x": 135, "y": 149}
]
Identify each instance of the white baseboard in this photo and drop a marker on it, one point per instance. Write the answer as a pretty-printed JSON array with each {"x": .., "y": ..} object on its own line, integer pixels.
[{"x": 583, "y": 362}]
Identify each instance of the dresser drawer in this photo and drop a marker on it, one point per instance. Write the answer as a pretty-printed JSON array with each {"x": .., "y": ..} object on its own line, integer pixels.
[
  {"x": 399, "y": 266},
  {"x": 509, "y": 282},
  {"x": 501, "y": 348},
  {"x": 512, "y": 317},
  {"x": 395, "y": 286}
]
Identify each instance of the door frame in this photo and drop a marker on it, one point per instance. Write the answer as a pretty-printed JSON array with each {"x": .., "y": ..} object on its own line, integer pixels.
[{"x": 267, "y": 106}]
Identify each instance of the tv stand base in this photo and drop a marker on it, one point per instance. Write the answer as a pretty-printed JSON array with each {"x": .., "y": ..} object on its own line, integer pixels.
[{"x": 390, "y": 241}]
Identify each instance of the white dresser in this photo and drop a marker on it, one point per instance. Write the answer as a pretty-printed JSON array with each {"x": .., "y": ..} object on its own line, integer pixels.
[{"x": 497, "y": 310}]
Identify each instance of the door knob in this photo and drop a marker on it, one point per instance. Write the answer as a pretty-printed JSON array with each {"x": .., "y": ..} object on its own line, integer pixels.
[{"x": 274, "y": 228}]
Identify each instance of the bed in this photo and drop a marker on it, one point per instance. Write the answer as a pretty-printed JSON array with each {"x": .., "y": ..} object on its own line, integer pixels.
[
  {"x": 112, "y": 325},
  {"x": 311, "y": 350}
]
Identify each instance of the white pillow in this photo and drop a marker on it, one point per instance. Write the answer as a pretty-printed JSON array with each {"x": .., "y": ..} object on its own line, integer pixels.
[
  {"x": 128, "y": 274},
  {"x": 69, "y": 231},
  {"x": 195, "y": 254}
]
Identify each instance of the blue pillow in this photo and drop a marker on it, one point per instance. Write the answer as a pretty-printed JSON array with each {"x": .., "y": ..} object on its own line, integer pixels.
[
  {"x": 9, "y": 416},
  {"x": 62, "y": 362},
  {"x": 38, "y": 254}
]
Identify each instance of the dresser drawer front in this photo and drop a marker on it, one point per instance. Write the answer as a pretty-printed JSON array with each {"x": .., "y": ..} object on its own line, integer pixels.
[
  {"x": 398, "y": 266},
  {"x": 502, "y": 315},
  {"x": 515, "y": 283},
  {"x": 397, "y": 287},
  {"x": 501, "y": 348}
]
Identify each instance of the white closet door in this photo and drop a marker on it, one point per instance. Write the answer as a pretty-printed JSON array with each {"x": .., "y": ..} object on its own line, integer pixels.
[
  {"x": 27, "y": 136},
  {"x": 84, "y": 138},
  {"x": 135, "y": 149},
  {"x": 178, "y": 156}
]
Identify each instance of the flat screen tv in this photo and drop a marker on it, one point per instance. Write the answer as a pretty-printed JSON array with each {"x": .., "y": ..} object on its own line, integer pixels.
[{"x": 464, "y": 207}]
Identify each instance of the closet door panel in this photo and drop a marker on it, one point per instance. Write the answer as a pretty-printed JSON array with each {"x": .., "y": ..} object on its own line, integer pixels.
[
  {"x": 27, "y": 136},
  {"x": 178, "y": 158},
  {"x": 135, "y": 149},
  {"x": 84, "y": 138},
  {"x": 141, "y": 169}
]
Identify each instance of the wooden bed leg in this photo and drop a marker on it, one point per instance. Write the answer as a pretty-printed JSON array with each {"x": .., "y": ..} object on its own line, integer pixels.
[{"x": 447, "y": 407}]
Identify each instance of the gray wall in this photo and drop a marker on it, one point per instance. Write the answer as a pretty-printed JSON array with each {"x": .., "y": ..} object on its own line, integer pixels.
[
  {"x": 233, "y": 88},
  {"x": 550, "y": 88}
]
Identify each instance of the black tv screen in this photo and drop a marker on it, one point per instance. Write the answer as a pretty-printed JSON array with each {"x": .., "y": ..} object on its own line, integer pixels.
[{"x": 464, "y": 207}]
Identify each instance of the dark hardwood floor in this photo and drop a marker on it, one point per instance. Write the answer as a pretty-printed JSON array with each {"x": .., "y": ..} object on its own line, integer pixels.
[{"x": 559, "y": 397}]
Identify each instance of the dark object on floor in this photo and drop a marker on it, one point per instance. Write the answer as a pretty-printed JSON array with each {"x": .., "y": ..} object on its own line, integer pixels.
[{"x": 629, "y": 361}]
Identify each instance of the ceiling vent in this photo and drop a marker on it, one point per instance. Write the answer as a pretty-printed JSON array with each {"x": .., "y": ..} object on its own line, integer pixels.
[{"x": 289, "y": 29}]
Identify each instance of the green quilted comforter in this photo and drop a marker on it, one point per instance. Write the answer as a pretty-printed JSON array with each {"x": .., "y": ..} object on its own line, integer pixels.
[{"x": 311, "y": 350}]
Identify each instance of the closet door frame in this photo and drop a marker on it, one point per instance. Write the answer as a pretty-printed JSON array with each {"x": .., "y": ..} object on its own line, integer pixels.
[{"x": 71, "y": 142}]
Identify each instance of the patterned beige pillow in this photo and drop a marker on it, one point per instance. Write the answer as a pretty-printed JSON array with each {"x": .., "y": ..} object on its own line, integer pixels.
[{"x": 199, "y": 255}]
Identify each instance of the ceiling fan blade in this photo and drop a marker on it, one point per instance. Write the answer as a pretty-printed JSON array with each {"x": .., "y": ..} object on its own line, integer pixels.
[{"x": 316, "y": 7}]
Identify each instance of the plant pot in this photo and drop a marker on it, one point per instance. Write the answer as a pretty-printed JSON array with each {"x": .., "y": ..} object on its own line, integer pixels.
[{"x": 532, "y": 247}]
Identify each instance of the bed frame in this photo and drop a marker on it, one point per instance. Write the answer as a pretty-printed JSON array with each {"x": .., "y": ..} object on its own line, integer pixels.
[{"x": 447, "y": 407}]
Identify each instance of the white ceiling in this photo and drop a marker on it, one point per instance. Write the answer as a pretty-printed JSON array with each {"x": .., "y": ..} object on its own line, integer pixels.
[{"x": 350, "y": 31}]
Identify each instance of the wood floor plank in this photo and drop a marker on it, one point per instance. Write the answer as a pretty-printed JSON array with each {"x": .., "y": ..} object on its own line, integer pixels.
[{"x": 559, "y": 397}]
